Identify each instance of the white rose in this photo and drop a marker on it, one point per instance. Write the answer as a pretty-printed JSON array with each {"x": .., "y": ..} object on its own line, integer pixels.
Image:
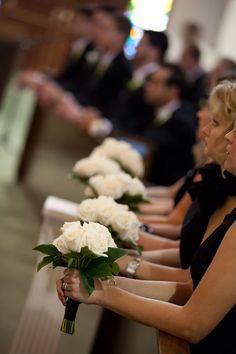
[
  {"x": 124, "y": 153},
  {"x": 74, "y": 236},
  {"x": 95, "y": 165},
  {"x": 133, "y": 162},
  {"x": 130, "y": 235},
  {"x": 105, "y": 210},
  {"x": 88, "y": 192},
  {"x": 88, "y": 210},
  {"x": 61, "y": 245},
  {"x": 98, "y": 238},
  {"x": 109, "y": 185},
  {"x": 109, "y": 201},
  {"x": 136, "y": 187},
  {"x": 126, "y": 224}
]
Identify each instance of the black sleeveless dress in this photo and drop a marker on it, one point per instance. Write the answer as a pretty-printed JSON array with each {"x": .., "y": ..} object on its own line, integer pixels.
[
  {"x": 222, "y": 340},
  {"x": 188, "y": 179},
  {"x": 207, "y": 195}
]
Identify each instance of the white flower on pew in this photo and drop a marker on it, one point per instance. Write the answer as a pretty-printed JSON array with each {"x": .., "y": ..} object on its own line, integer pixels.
[
  {"x": 121, "y": 186},
  {"x": 94, "y": 165},
  {"x": 100, "y": 209},
  {"x": 75, "y": 236},
  {"x": 122, "y": 152},
  {"x": 122, "y": 223}
]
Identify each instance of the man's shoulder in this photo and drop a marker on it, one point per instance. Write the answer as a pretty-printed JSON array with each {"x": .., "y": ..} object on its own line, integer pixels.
[{"x": 185, "y": 107}]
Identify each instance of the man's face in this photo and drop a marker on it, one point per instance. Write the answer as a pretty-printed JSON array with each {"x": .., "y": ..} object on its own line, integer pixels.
[
  {"x": 143, "y": 47},
  {"x": 80, "y": 25},
  {"x": 156, "y": 90},
  {"x": 105, "y": 30}
]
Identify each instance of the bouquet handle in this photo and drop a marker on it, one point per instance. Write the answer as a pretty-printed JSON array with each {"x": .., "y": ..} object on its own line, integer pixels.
[{"x": 68, "y": 323}]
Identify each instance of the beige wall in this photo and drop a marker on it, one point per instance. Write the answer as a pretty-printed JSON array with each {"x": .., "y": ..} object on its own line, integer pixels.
[{"x": 208, "y": 14}]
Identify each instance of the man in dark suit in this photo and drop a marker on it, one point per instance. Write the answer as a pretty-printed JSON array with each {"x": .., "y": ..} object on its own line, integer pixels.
[
  {"x": 112, "y": 70},
  {"x": 98, "y": 71},
  {"x": 72, "y": 75},
  {"x": 172, "y": 130},
  {"x": 130, "y": 114}
]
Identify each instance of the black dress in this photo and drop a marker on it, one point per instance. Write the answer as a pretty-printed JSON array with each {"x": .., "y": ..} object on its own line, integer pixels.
[
  {"x": 207, "y": 196},
  {"x": 222, "y": 339}
]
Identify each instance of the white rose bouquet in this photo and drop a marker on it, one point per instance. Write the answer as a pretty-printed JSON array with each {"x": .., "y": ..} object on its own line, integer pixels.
[
  {"x": 122, "y": 223},
  {"x": 88, "y": 247},
  {"x": 121, "y": 187},
  {"x": 92, "y": 166},
  {"x": 129, "y": 159}
]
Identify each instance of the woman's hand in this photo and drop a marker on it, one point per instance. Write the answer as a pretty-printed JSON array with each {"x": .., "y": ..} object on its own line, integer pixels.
[
  {"x": 71, "y": 286},
  {"x": 122, "y": 263}
]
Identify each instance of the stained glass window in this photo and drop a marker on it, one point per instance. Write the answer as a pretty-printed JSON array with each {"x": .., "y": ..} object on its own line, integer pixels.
[{"x": 146, "y": 15}]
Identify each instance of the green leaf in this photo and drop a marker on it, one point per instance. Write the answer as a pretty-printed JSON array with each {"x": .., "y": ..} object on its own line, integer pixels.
[
  {"x": 140, "y": 249},
  {"x": 115, "y": 268},
  {"x": 132, "y": 201},
  {"x": 59, "y": 262},
  {"x": 47, "y": 249},
  {"x": 86, "y": 253},
  {"x": 114, "y": 253},
  {"x": 98, "y": 270},
  {"x": 81, "y": 179},
  {"x": 45, "y": 261},
  {"x": 88, "y": 282},
  {"x": 73, "y": 263}
]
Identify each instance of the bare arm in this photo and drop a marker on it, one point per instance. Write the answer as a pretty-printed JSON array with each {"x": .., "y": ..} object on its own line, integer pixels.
[
  {"x": 151, "y": 271},
  {"x": 174, "y": 292},
  {"x": 160, "y": 206},
  {"x": 167, "y": 230},
  {"x": 175, "y": 217},
  {"x": 162, "y": 191},
  {"x": 153, "y": 242},
  {"x": 214, "y": 288},
  {"x": 169, "y": 257}
]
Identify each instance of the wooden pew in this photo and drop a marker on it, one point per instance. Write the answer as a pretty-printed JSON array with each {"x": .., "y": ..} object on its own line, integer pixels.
[{"x": 49, "y": 38}]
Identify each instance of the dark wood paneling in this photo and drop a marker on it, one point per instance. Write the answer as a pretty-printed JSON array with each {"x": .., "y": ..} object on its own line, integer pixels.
[{"x": 45, "y": 6}]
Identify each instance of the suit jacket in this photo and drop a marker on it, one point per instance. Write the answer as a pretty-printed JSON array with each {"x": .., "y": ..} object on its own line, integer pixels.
[
  {"x": 173, "y": 143},
  {"x": 131, "y": 114},
  {"x": 75, "y": 73},
  {"x": 102, "y": 89}
]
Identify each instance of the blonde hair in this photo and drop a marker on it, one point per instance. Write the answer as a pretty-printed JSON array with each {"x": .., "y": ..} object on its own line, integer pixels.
[{"x": 225, "y": 94}]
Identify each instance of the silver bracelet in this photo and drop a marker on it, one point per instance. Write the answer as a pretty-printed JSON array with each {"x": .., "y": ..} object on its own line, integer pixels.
[{"x": 132, "y": 267}]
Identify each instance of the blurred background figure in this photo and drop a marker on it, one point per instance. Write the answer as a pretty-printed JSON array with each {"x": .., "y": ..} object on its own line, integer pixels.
[
  {"x": 190, "y": 34},
  {"x": 195, "y": 74},
  {"x": 81, "y": 28}
]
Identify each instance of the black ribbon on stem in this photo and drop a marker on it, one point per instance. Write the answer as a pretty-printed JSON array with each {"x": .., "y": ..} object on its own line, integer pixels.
[{"x": 68, "y": 323}]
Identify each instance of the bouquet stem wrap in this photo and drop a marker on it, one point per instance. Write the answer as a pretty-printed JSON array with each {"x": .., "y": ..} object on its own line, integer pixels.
[{"x": 68, "y": 323}]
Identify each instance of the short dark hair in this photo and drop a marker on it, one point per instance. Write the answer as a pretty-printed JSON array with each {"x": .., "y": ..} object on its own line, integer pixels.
[
  {"x": 229, "y": 75},
  {"x": 123, "y": 24},
  {"x": 85, "y": 10},
  {"x": 177, "y": 77},
  {"x": 158, "y": 39},
  {"x": 230, "y": 63},
  {"x": 110, "y": 9}
]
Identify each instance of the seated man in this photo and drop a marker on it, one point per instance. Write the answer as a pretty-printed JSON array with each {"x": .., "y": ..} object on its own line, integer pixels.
[
  {"x": 172, "y": 131},
  {"x": 111, "y": 71}
]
